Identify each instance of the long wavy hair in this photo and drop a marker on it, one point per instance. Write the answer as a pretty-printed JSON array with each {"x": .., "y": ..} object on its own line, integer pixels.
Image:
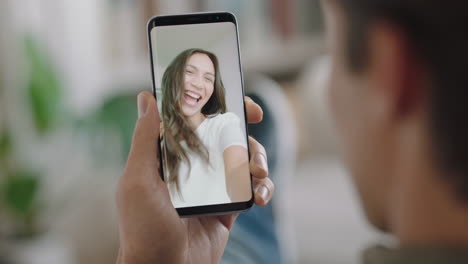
[{"x": 176, "y": 126}]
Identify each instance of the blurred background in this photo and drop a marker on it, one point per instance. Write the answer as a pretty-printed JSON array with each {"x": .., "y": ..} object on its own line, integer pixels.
[{"x": 69, "y": 75}]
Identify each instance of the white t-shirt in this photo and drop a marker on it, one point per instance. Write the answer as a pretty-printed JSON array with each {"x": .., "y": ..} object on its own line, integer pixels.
[{"x": 206, "y": 184}]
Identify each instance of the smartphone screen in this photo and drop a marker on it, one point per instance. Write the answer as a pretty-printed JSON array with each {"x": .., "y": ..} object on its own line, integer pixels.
[{"x": 197, "y": 81}]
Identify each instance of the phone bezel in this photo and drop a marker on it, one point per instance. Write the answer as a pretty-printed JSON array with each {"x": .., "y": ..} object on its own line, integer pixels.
[{"x": 202, "y": 18}]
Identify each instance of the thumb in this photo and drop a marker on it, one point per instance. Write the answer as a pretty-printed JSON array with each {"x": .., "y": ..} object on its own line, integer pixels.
[{"x": 144, "y": 152}]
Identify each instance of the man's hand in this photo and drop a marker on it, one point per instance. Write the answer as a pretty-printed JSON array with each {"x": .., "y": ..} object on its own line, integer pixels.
[{"x": 150, "y": 229}]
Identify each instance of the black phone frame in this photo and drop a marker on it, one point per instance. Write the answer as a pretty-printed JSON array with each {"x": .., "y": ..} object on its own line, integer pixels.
[{"x": 202, "y": 18}]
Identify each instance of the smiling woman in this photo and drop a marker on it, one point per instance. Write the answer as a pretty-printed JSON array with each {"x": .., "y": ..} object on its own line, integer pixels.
[{"x": 203, "y": 145}]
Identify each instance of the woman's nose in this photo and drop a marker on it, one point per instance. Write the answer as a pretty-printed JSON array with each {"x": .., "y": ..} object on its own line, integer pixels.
[{"x": 197, "y": 82}]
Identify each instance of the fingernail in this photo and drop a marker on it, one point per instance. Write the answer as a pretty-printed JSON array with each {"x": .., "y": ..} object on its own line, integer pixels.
[
  {"x": 262, "y": 191},
  {"x": 142, "y": 105},
  {"x": 260, "y": 160}
]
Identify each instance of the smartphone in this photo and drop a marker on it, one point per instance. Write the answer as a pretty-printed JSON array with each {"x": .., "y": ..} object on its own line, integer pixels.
[{"x": 198, "y": 84}]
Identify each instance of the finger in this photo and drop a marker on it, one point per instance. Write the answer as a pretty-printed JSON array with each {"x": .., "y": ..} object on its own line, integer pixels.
[
  {"x": 254, "y": 111},
  {"x": 263, "y": 191},
  {"x": 144, "y": 151},
  {"x": 258, "y": 159}
]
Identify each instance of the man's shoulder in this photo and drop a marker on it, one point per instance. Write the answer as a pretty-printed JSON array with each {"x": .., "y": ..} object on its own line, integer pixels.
[{"x": 415, "y": 255}]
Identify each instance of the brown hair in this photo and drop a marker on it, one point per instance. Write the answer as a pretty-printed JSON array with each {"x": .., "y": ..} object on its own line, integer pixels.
[
  {"x": 436, "y": 31},
  {"x": 176, "y": 127}
]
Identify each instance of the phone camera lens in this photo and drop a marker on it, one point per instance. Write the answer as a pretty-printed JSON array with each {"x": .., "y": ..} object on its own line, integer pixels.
[{"x": 217, "y": 18}]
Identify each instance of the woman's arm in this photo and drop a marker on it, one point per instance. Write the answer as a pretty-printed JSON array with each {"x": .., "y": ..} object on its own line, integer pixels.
[{"x": 236, "y": 168}]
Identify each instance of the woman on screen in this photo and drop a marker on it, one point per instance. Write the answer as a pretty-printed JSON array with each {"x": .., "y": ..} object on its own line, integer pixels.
[{"x": 204, "y": 146}]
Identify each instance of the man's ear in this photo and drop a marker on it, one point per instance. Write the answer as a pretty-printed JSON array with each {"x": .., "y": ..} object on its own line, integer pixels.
[{"x": 395, "y": 73}]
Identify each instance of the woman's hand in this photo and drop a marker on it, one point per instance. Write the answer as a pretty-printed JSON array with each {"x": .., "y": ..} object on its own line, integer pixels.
[{"x": 150, "y": 229}]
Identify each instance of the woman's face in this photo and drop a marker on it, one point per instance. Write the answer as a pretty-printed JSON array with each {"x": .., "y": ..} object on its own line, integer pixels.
[{"x": 199, "y": 79}]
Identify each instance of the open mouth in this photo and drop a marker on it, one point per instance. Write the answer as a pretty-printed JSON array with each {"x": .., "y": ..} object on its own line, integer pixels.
[{"x": 192, "y": 98}]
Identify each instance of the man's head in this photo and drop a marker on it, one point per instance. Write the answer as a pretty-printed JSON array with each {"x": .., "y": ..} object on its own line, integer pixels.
[{"x": 397, "y": 94}]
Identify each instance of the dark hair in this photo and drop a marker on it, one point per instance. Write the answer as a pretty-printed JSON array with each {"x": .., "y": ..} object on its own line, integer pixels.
[
  {"x": 176, "y": 126},
  {"x": 437, "y": 32}
]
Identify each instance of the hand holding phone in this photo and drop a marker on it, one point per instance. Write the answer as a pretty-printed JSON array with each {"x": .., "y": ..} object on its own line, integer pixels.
[
  {"x": 197, "y": 81},
  {"x": 150, "y": 229}
]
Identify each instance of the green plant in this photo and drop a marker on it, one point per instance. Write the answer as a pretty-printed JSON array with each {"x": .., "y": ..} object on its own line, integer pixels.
[
  {"x": 20, "y": 190},
  {"x": 116, "y": 115},
  {"x": 44, "y": 90},
  {"x": 119, "y": 114},
  {"x": 19, "y": 184}
]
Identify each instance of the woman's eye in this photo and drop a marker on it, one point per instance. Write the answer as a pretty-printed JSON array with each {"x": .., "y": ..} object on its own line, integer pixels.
[
  {"x": 209, "y": 80},
  {"x": 189, "y": 71}
]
